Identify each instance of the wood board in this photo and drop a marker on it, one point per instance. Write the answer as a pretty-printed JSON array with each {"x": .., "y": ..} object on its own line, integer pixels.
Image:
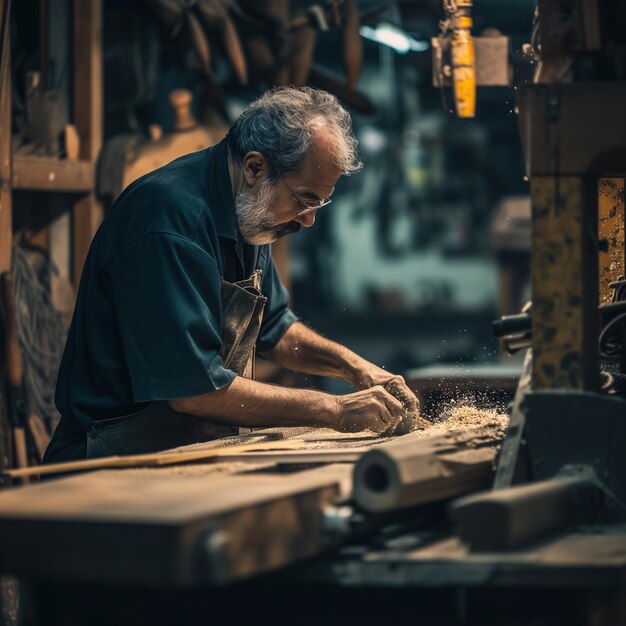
[{"x": 155, "y": 459}]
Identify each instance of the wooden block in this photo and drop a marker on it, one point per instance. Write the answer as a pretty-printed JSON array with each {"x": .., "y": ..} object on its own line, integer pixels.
[
  {"x": 43, "y": 174},
  {"x": 400, "y": 474},
  {"x": 154, "y": 529},
  {"x": 508, "y": 519}
]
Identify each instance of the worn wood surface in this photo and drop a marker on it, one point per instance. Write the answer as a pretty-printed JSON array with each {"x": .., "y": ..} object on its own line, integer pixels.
[
  {"x": 185, "y": 526},
  {"x": 162, "y": 529},
  {"x": 408, "y": 472},
  {"x": 297, "y": 457},
  {"x": 147, "y": 498},
  {"x": 168, "y": 457}
]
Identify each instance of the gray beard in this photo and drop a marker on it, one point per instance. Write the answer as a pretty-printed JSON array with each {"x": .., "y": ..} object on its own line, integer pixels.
[{"x": 255, "y": 217}]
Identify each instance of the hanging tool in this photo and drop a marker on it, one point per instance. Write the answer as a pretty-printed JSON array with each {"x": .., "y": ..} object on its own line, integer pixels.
[
  {"x": 216, "y": 20},
  {"x": 205, "y": 20},
  {"x": 463, "y": 57},
  {"x": 351, "y": 44}
]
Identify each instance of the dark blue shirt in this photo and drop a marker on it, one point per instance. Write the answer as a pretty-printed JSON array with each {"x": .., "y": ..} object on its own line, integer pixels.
[{"x": 147, "y": 320}]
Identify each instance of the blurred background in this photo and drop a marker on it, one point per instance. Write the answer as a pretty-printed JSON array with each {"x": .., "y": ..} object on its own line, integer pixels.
[{"x": 417, "y": 254}]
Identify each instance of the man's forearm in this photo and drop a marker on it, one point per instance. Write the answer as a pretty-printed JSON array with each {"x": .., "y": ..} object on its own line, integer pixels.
[
  {"x": 249, "y": 403},
  {"x": 303, "y": 350}
]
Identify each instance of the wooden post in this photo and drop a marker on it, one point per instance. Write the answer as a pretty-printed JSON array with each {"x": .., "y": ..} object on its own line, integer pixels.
[
  {"x": 87, "y": 213},
  {"x": 5, "y": 139}
]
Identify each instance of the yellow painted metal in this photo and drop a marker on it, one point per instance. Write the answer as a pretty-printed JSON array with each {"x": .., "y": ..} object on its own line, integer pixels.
[
  {"x": 464, "y": 62},
  {"x": 611, "y": 217},
  {"x": 563, "y": 327}
]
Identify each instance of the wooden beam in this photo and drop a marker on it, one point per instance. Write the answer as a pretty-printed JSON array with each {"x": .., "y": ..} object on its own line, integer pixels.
[
  {"x": 39, "y": 174},
  {"x": 87, "y": 213},
  {"x": 5, "y": 139}
]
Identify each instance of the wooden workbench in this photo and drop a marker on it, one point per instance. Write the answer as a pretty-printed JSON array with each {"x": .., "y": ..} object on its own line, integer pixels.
[{"x": 149, "y": 543}]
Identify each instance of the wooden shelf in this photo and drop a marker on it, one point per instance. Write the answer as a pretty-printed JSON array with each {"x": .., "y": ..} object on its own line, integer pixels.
[{"x": 44, "y": 174}]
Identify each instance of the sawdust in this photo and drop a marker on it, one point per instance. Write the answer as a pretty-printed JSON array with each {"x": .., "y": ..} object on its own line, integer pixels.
[
  {"x": 460, "y": 416},
  {"x": 455, "y": 415}
]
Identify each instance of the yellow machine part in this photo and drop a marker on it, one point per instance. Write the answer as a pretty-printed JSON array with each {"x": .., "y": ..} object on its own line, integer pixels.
[{"x": 463, "y": 65}]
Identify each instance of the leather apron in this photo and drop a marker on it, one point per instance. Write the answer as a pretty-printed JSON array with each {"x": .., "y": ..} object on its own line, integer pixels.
[{"x": 158, "y": 426}]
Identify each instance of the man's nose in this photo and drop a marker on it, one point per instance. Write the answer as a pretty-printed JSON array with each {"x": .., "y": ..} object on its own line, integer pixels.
[{"x": 307, "y": 220}]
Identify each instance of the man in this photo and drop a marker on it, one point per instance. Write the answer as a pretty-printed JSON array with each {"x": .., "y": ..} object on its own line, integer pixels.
[{"x": 179, "y": 287}]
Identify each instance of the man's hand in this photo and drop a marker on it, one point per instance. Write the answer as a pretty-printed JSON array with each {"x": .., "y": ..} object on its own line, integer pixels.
[
  {"x": 374, "y": 409},
  {"x": 371, "y": 375},
  {"x": 303, "y": 350},
  {"x": 249, "y": 403}
]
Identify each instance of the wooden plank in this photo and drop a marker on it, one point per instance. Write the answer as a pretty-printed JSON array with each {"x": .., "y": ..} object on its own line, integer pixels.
[
  {"x": 5, "y": 141},
  {"x": 41, "y": 174},
  {"x": 87, "y": 213},
  {"x": 298, "y": 457},
  {"x": 113, "y": 496},
  {"x": 168, "y": 457},
  {"x": 611, "y": 217}
]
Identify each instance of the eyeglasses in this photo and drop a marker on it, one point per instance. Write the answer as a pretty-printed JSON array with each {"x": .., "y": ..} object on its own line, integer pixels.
[{"x": 307, "y": 208}]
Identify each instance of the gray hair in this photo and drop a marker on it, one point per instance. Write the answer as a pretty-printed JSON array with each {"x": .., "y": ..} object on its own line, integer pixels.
[{"x": 281, "y": 126}]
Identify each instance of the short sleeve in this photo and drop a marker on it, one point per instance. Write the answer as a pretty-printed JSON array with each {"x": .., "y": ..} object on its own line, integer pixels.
[
  {"x": 167, "y": 299},
  {"x": 277, "y": 317}
]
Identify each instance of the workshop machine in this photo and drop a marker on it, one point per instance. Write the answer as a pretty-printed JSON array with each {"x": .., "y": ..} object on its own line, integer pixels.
[{"x": 303, "y": 526}]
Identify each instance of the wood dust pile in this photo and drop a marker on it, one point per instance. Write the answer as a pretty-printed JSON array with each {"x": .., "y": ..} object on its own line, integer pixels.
[{"x": 464, "y": 416}]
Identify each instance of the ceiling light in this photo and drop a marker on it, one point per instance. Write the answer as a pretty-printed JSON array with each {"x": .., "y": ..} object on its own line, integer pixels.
[{"x": 394, "y": 37}]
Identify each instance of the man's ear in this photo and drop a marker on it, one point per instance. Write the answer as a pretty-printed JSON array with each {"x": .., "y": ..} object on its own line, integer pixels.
[{"x": 255, "y": 168}]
